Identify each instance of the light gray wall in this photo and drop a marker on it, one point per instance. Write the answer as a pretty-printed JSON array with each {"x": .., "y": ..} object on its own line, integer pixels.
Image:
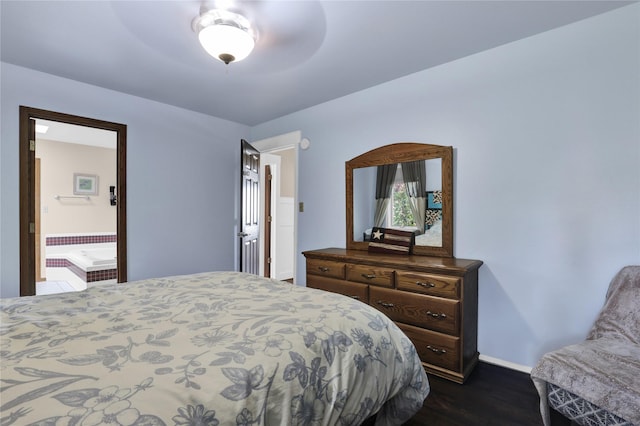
[
  {"x": 182, "y": 175},
  {"x": 546, "y": 139}
]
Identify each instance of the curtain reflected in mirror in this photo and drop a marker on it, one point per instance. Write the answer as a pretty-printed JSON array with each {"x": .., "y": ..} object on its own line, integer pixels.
[{"x": 386, "y": 175}]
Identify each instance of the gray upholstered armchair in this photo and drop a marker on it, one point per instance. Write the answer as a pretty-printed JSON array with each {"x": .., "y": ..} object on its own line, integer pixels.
[{"x": 597, "y": 382}]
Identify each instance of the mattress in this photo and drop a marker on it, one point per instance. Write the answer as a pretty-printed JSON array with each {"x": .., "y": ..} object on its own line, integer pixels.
[{"x": 220, "y": 348}]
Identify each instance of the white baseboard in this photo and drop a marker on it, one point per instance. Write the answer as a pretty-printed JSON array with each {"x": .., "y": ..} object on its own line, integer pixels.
[{"x": 506, "y": 364}]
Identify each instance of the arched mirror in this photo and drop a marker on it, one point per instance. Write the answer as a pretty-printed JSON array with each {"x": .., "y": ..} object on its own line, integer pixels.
[{"x": 405, "y": 186}]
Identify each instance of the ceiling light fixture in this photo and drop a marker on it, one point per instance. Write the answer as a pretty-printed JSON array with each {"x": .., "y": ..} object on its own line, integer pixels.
[{"x": 225, "y": 35}]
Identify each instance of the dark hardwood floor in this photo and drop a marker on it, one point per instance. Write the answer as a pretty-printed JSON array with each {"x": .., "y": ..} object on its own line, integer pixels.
[{"x": 492, "y": 395}]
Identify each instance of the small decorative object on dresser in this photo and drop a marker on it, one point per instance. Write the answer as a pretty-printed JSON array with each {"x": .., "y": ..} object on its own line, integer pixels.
[
  {"x": 432, "y": 296},
  {"x": 391, "y": 241}
]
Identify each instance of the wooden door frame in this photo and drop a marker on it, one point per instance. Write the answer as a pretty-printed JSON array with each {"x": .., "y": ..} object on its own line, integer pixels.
[
  {"x": 267, "y": 220},
  {"x": 38, "y": 237},
  {"x": 27, "y": 192}
]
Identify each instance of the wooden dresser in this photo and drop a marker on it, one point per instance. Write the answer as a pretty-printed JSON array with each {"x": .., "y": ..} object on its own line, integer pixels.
[{"x": 434, "y": 300}]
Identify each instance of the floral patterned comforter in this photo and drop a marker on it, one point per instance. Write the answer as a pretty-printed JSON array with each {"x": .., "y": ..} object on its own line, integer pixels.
[{"x": 220, "y": 348}]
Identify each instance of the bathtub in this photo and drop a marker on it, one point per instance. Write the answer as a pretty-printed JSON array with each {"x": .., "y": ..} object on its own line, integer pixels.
[
  {"x": 94, "y": 259},
  {"x": 93, "y": 265},
  {"x": 82, "y": 260}
]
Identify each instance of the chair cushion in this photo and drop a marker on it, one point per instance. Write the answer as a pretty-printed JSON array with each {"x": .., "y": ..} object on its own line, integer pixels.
[{"x": 605, "y": 372}]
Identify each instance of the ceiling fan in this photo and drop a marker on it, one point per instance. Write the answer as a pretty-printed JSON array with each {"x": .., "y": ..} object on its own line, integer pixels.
[
  {"x": 230, "y": 30},
  {"x": 225, "y": 35},
  {"x": 284, "y": 33}
]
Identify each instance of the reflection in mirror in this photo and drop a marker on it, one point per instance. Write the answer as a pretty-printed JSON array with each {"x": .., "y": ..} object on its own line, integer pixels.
[
  {"x": 405, "y": 186},
  {"x": 413, "y": 200}
]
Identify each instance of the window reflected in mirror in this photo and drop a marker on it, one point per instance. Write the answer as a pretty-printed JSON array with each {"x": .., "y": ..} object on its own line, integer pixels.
[{"x": 387, "y": 197}]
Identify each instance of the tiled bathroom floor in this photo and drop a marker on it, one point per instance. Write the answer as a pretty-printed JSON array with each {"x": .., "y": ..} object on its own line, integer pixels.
[{"x": 53, "y": 287}]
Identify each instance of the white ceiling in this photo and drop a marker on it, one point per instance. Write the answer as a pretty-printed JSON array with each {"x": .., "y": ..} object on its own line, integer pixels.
[
  {"x": 82, "y": 135},
  {"x": 309, "y": 51}
]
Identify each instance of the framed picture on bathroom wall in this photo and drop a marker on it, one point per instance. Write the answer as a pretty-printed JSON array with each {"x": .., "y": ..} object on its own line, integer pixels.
[{"x": 84, "y": 184}]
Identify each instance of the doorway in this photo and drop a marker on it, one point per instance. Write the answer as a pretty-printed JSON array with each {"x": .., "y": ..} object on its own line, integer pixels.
[
  {"x": 279, "y": 212},
  {"x": 280, "y": 154},
  {"x": 82, "y": 190}
]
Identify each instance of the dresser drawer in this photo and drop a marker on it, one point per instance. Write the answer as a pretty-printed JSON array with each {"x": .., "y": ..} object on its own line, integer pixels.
[
  {"x": 434, "y": 348},
  {"x": 370, "y": 275},
  {"x": 434, "y": 285},
  {"x": 433, "y": 300},
  {"x": 327, "y": 268},
  {"x": 355, "y": 291},
  {"x": 420, "y": 310}
]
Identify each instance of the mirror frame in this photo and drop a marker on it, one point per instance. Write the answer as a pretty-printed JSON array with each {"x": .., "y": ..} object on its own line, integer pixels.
[{"x": 400, "y": 153}]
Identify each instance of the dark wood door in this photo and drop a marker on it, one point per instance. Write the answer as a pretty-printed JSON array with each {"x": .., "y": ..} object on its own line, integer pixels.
[
  {"x": 268, "y": 177},
  {"x": 250, "y": 208},
  {"x": 27, "y": 206}
]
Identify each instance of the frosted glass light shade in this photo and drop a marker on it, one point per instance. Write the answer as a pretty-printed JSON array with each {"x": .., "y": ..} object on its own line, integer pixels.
[{"x": 221, "y": 40}]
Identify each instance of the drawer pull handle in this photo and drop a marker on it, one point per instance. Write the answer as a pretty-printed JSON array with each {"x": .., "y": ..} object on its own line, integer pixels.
[
  {"x": 385, "y": 304},
  {"x": 437, "y": 315},
  {"x": 323, "y": 269},
  {"x": 368, "y": 276},
  {"x": 425, "y": 285},
  {"x": 436, "y": 350}
]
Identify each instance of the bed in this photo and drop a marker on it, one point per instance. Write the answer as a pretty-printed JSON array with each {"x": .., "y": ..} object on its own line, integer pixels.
[
  {"x": 431, "y": 236},
  {"x": 219, "y": 348}
]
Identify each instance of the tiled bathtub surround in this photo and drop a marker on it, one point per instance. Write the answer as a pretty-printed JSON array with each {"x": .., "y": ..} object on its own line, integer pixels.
[
  {"x": 63, "y": 265},
  {"x": 56, "y": 263},
  {"x": 86, "y": 276},
  {"x": 68, "y": 240}
]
